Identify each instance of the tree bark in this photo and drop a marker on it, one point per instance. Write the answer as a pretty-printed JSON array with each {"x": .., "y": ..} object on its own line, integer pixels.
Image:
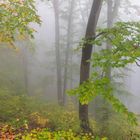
[{"x": 86, "y": 55}]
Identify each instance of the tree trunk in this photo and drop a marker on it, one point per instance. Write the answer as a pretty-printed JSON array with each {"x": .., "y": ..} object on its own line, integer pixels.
[
  {"x": 57, "y": 51},
  {"x": 67, "y": 54},
  {"x": 86, "y": 55},
  {"x": 112, "y": 11},
  {"x": 25, "y": 66}
]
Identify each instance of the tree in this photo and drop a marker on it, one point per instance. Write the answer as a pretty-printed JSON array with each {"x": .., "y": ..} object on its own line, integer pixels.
[
  {"x": 86, "y": 55},
  {"x": 69, "y": 40},
  {"x": 15, "y": 17},
  {"x": 123, "y": 37},
  {"x": 25, "y": 68},
  {"x": 57, "y": 51}
]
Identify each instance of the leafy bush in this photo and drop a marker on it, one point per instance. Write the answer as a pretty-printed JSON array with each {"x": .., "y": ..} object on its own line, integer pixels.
[
  {"x": 21, "y": 110},
  {"x": 62, "y": 118},
  {"x": 119, "y": 128},
  {"x": 9, "y": 106}
]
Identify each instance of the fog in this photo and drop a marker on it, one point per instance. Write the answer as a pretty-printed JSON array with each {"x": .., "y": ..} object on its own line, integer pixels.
[
  {"x": 45, "y": 65},
  {"x": 40, "y": 52},
  {"x": 48, "y": 65}
]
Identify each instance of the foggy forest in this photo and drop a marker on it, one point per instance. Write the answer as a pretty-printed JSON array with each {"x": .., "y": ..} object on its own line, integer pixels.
[{"x": 69, "y": 70}]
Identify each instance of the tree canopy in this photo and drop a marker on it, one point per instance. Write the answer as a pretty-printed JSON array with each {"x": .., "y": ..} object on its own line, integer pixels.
[{"x": 15, "y": 19}]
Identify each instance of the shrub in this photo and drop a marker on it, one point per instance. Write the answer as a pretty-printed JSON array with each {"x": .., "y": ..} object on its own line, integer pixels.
[
  {"x": 119, "y": 129},
  {"x": 62, "y": 118}
]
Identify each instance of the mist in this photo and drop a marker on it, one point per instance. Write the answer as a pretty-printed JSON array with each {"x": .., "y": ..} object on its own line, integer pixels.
[
  {"x": 45, "y": 68},
  {"x": 44, "y": 42}
]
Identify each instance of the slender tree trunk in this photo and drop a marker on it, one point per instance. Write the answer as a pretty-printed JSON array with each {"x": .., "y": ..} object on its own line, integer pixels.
[
  {"x": 112, "y": 11},
  {"x": 86, "y": 55},
  {"x": 25, "y": 67},
  {"x": 71, "y": 71},
  {"x": 67, "y": 54},
  {"x": 57, "y": 51}
]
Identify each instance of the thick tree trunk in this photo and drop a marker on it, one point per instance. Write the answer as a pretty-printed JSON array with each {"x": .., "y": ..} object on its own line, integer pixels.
[
  {"x": 57, "y": 51},
  {"x": 85, "y": 65}
]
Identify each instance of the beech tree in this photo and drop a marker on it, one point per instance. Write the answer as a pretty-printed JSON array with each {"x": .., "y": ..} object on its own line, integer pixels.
[
  {"x": 86, "y": 55},
  {"x": 124, "y": 39},
  {"x": 15, "y": 17}
]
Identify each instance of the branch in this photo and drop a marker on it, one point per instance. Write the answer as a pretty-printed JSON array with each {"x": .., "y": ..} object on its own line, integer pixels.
[
  {"x": 88, "y": 39},
  {"x": 137, "y": 64},
  {"x": 94, "y": 37}
]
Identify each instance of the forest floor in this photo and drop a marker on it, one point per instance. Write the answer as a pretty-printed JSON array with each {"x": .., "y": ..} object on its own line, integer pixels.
[
  {"x": 24, "y": 118},
  {"x": 37, "y": 132}
]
